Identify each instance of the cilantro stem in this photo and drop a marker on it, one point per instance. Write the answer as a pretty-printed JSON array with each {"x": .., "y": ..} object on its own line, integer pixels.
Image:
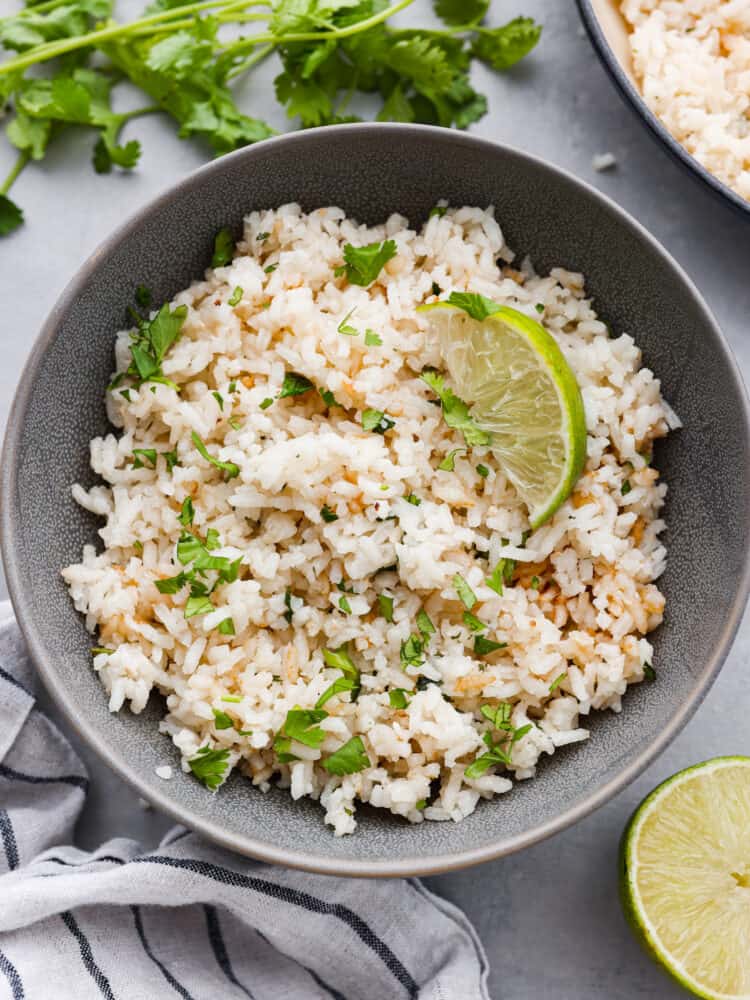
[
  {"x": 251, "y": 61},
  {"x": 126, "y": 116},
  {"x": 49, "y": 50},
  {"x": 189, "y": 22},
  {"x": 312, "y": 36},
  {"x": 21, "y": 161}
]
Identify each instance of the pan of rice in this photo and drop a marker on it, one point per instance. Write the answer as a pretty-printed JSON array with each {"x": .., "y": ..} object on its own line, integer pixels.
[{"x": 317, "y": 603}]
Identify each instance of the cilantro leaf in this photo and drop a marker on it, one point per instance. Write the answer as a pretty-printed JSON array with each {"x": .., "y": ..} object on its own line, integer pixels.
[
  {"x": 503, "y": 47},
  {"x": 339, "y": 686},
  {"x": 229, "y": 469},
  {"x": 557, "y": 681},
  {"x": 386, "y": 606},
  {"x": 474, "y": 623},
  {"x": 222, "y": 720},
  {"x": 198, "y": 604},
  {"x": 502, "y": 574},
  {"x": 294, "y": 385},
  {"x": 210, "y": 766},
  {"x": 424, "y": 624},
  {"x": 482, "y": 646},
  {"x": 172, "y": 584},
  {"x": 187, "y": 512},
  {"x": 149, "y": 454},
  {"x": 372, "y": 339},
  {"x": 448, "y": 464},
  {"x": 455, "y": 411},
  {"x": 11, "y": 215},
  {"x": 327, "y": 514},
  {"x": 223, "y": 244},
  {"x": 226, "y": 627},
  {"x": 477, "y": 306},
  {"x": 346, "y": 328},
  {"x": 398, "y": 698},
  {"x": 151, "y": 341},
  {"x": 466, "y": 595},
  {"x": 412, "y": 652},
  {"x": 377, "y": 421},
  {"x": 301, "y": 724},
  {"x": 459, "y": 12},
  {"x": 236, "y": 296},
  {"x": 348, "y": 759},
  {"x": 363, "y": 264}
]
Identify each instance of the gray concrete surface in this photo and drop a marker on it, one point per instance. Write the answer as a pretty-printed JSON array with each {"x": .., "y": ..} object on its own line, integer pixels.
[{"x": 549, "y": 917}]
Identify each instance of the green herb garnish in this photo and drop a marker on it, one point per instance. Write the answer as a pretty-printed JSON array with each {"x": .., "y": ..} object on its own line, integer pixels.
[
  {"x": 386, "y": 606},
  {"x": 398, "y": 698},
  {"x": 223, "y": 248},
  {"x": 226, "y": 627},
  {"x": 222, "y": 720},
  {"x": 377, "y": 421},
  {"x": 362, "y": 265},
  {"x": 482, "y": 646},
  {"x": 372, "y": 339},
  {"x": 346, "y": 328},
  {"x": 344, "y": 605},
  {"x": 96, "y": 650},
  {"x": 210, "y": 766},
  {"x": 339, "y": 686},
  {"x": 466, "y": 594},
  {"x": 301, "y": 724},
  {"x": 412, "y": 652},
  {"x": 483, "y": 471},
  {"x": 327, "y": 514},
  {"x": 502, "y": 575},
  {"x": 424, "y": 624},
  {"x": 474, "y": 623},
  {"x": 557, "y": 681},
  {"x": 648, "y": 672},
  {"x": 229, "y": 469},
  {"x": 294, "y": 385},
  {"x": 626, "y": 488},
  {"x": 236, "y": 297},
  {"x": 348, "y": 759},
  {"x": 455, "y": 411},
  {"x": 143, "y": 455},
  {"x": 448, "y": 464}
]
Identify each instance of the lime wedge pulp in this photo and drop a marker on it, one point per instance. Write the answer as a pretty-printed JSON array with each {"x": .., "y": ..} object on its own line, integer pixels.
[
  {"x": 685, "y": 877},
  {"x": 521, "y": 389}
]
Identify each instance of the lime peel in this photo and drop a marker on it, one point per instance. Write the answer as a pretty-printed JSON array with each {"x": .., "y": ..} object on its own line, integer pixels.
[{"x": 685, "y": 877}]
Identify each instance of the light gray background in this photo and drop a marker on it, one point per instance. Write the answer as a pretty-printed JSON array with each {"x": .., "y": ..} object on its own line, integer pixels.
[{"x": 550, "y": 917}]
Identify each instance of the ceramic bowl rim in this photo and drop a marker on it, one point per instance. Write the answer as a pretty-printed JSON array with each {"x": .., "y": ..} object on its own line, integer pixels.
[
  {"x": 246, "y": 844},
  {"x": 657, "y": 129}
]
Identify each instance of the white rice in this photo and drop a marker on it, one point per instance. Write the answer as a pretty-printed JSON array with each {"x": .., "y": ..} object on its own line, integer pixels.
[
  {"x": 582, "y": 598},
  {"x": 691, "y": 59}
]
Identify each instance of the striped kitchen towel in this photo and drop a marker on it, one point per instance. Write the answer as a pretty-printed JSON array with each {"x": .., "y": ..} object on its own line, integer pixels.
[{"x": 190, "y": 919}]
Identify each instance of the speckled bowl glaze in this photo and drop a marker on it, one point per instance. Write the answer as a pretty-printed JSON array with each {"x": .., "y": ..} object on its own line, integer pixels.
[
  {"x": 608, "y": 32},
  {"x": 371, "y": 171}
]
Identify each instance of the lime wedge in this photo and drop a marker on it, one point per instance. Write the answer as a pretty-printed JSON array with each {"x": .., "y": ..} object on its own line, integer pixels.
[
  {"x": 685, "y": 877},
  {"x": 521, "y": 389}
]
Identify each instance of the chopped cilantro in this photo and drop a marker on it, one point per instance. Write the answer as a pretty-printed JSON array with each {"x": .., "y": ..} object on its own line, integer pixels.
[
  {"x": 483, "y": 471},
  {"x": 170, "y": 457},
  {"x": 420, "y": 804},
  {"x": 234, "y": 699},
  {"x": 482, "y": 646},
  {"x": 149, "y": 455},
  {"x": 535, "y": 582},
  {"x": 411, "y": 652},
  {"x": 648, "y": 672},
  {"x": 222, "y": 720},
  {"x": 346, "y": 328},
  {"x": 294, "y": 385},
  {"x": 301, "y": 724},
  {"x": 270, "y": 269},
  {"x": 448, "y": 464},
  {"x": 138, "y": 546},
  {"x": 232, "y": 386},
  {"x": 340, "y": 659},
  {"x": 268, "y": 401},
  {"x": 436, "y": 289},
  {"x": 210, "y": 766},
  {"x": 327, "y": 514},
  {"x": 398, "y": 698},
  {"x": 362, "y": 265},
  {"x": 372, "y": 339},
  {"x": 477, "y": 306},
  {"x": 236, "y": 424},
  {"x": 219, "y": 399},
  {"x": 187, "y": 512},
  {"x": 97, "y": 650},
  {"x": 466, "y": 594},
  {"x": 223, "y": 248},
  {"x": 344, "y": 605},
  {"x": 236, "y": 296},
  {"x": 327, "y": 397},
  {"x": 229, "y": 469},
  {"x": 557, "y": 681},
  {"x": 455, "y": 411},
  {"x": 474, "y": 623},
  {"x": 626, "y": 488},
  {"x": 412, "y": 499},
  {"x": 424, "y": 624},
  {"x": 226, "y": 627},
  {"x": 348, "y": 759},
  {"x": 142, "y": 296},
  {"x": 198, "y": 605},
  {"x": 172, "y": 584},
  {"x": 502, "y": 574},
  {"x": 500, "y": 752},
  {"x": 377, "y": 421},
  {"x": 438, "y": 210},
  {"x": 386, "y": 606},
  {"x": 539, "y": 307},
  {"x": 125, "y": 393},
  {"x": 339, "y": 686}
]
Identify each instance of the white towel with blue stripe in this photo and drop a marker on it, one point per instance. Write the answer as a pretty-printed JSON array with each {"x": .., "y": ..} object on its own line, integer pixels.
[{"x": 189, "y": 919}]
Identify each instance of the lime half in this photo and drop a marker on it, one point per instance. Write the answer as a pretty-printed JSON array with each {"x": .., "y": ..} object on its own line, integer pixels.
[
  {"x": 521, "y": 389},
  {"x": 685, "y": 877}
]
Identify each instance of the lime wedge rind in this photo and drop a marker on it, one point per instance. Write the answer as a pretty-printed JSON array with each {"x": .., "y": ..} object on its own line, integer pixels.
[
  {"x": 504, "y": 367},
  {"x": 632, "y": 868}
]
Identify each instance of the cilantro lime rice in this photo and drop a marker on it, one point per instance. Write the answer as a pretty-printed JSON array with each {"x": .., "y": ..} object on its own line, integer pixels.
[{"x": 322, "y": 569}]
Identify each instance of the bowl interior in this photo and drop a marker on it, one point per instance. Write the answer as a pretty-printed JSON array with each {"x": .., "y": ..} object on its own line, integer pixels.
[
  {"x": 616, "y": 32},
  {"x": 372, "y": 171}
]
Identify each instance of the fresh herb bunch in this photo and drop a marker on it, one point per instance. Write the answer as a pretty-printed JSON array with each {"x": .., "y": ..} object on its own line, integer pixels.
[{"x": 179, "y": 54}]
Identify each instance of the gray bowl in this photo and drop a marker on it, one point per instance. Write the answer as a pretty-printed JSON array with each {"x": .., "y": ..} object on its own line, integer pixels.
[
  {"x": 608, "y": 32},
  {"x": 373, "y": 170}
]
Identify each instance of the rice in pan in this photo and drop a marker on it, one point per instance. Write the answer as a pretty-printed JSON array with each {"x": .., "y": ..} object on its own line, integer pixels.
[{"x": 349, "y": 567}]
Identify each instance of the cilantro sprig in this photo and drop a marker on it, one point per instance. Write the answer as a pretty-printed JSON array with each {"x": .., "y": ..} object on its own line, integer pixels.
[
  {"x": 177, "y": 56},
  {"x": 500, "y": 751},
  {"x": 455, "y": 412}
]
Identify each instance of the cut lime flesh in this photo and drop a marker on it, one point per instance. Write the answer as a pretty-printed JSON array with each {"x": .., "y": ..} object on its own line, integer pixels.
[
  {"x": 522, "y": 390},
  {"x": 685, "y": 877}
]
